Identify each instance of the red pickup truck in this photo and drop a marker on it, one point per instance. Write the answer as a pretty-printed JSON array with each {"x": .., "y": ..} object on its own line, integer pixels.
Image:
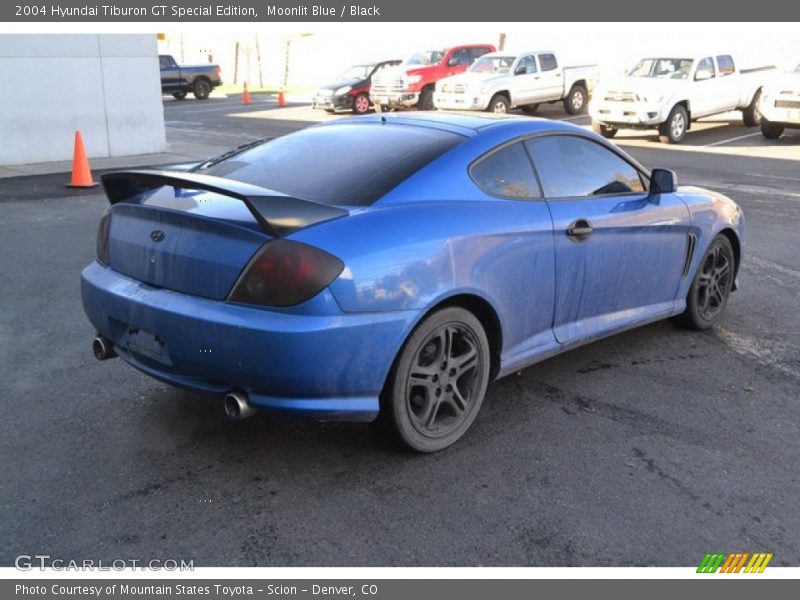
[{"x": 412, "y": 83}]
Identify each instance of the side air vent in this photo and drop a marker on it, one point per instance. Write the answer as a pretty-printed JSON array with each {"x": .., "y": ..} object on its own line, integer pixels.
[{"x": 691, "y": 242}]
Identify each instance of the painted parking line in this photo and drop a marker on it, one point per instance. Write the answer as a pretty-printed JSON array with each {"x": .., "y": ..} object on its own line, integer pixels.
[{"x": 733, "y": 139}]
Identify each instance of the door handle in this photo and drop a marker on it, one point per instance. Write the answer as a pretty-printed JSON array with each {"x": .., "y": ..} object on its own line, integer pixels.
[
  {"x": 558, "y": 74},
  {"x": 579, "y": 230}
]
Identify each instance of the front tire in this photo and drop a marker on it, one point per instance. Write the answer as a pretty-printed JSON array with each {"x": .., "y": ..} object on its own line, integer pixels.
[
  {"x": 498, "y": 105},
  {"x": 438, "y": 382},
  {"x": 751, "y": 116},
  {"x": 575, "y": 102},
  {"x": 607, "y": 131},
  {"x": 771, "y": 131},
  {"x": 201, "y": 89},
  {"x": 673, "y": 130},
  {"x": 711, "y": 286},
  {"x": 425, "y": 100}
]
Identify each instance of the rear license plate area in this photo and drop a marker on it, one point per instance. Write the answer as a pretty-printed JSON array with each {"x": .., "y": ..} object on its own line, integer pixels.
[{"x": 147, "y": 344}]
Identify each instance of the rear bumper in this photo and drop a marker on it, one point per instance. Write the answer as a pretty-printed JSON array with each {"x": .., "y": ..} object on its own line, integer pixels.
[{"x": 329, "y": 366}]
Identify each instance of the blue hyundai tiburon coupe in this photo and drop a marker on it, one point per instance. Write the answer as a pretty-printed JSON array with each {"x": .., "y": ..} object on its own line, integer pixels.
[{"x": 389, "y": 267}]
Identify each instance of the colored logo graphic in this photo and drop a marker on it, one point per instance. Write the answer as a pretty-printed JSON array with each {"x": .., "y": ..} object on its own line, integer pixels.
[{"x": 735, "y": 563}]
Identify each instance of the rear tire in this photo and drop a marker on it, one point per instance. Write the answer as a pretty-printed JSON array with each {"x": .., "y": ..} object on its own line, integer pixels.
[
  {"x": 425, "y": 100},
  {"x": 498, "y": 105},
  {"x": 711, "y": 286},
  {"x": 607, "y": 131},
  {"x": 575, "y": 102},
  {"x": 771, "y": 131},
  {"x": 437, "y": 384},
  {"x": 201, "y": 89},
  {"x": 673, "y": 130},
  {"x": 751, "y": 116}
]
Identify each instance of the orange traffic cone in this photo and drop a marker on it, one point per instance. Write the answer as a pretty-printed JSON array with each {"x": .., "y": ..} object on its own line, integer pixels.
[
  {"x": 81, "y": 173},
  {"x": 281, "y": 98},
  {"x": 245, "y": 95}
]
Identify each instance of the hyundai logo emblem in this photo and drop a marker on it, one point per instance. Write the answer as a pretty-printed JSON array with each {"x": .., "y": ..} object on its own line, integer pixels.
[{"x": 157, "y": 235}]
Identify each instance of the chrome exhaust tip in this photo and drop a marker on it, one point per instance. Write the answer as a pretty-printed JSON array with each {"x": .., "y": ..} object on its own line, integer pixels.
[
  {"x": 102, "y": 348},
  {"x": 237, "y": 406}
]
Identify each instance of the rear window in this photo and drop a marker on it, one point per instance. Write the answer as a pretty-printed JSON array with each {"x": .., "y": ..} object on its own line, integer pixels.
[{"x": 352, "y": 164}]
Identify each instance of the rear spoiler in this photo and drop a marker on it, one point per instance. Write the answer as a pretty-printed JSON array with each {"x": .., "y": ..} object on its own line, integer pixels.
[{"x": 276, "y": 213}]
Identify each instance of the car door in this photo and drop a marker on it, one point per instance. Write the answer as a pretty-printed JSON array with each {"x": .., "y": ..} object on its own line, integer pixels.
[
  {"x": 525, "y": 81},
  {"x": 620, "y": 252},
  {"x": 170, "y": 73},
  {"x": 551, "y": 81},
  {"x": 457, "y": 62},
  {"x": 728, "y": 84},
  {"x": 703, "y": 98}
]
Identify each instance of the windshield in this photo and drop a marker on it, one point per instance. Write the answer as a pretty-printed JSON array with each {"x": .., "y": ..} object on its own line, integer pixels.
[
  {"x": 356, "y": 72},
  {"x": 492, "y": 64},
  {"x": 662, "y": 68},
  {"x": 387, "y": 155},
  {"x": 429, "y": 57}
]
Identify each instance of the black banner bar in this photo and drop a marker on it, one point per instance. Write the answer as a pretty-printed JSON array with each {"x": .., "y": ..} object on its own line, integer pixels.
[{"x": 321, "y": 11}]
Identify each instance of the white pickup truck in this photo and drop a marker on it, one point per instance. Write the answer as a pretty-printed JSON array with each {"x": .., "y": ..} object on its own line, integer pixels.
[
  {"x": 499, "y": 81},
  {"x": 669, "y": 93},
  {"x": 780, "y": 105}
]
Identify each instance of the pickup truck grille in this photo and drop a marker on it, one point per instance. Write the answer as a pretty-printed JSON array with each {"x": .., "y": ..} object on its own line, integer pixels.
[
  {"x": 620, "y": 97},
  {"x": 384, "y": 87},
  {"x": 787, "y": 103},
  {"x": 455, "y": 88}
]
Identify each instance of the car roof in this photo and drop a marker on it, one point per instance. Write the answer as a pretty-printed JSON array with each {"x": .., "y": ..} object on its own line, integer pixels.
[{"x": 464, "y": 124}]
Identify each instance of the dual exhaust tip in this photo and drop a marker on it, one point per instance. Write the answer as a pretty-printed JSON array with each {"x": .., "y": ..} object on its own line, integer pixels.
[{"x": 237, "y": 403}]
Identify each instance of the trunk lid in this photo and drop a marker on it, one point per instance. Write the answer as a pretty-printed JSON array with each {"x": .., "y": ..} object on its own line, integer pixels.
[{"x": 198, "y": 246}]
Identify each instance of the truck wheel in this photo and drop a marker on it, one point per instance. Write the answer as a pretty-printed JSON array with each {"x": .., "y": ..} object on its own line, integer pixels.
[
  {"x": 607, "y": 131},
  {"x": 425, "y": 100},
  {"x": 530, "y": 108},
  {"x": 771, "y": 131},
  {"x": 179, "y": 95},
  {"x": 575, "y": 102},
  {"x": 751, "y": 116},
  {"x": 361, "y": 104},
  {"x": 673, "y": 130},
  {"x": 201, "y": 89},
  {"x": 498, "y": 105}
]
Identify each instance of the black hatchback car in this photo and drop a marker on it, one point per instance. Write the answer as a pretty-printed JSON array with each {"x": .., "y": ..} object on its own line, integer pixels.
[{"x": 350, "y": 91}]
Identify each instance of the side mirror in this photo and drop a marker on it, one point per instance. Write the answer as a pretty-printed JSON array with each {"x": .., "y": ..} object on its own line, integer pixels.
[
  {"x": 520, "y": 71},
  {"x": 663, "y": 181},
  {"x": 703, "y": 75}
]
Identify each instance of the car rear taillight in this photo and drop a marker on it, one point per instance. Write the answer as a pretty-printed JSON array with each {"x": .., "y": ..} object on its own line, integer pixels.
[
  {"x": 102, "y": 239},
  {"x": 217, "y": 69},
  {"x": 285, "y": 273}
]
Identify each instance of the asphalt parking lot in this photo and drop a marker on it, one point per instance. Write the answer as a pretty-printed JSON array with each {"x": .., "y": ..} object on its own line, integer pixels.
[{"x": 649, "y": 448}]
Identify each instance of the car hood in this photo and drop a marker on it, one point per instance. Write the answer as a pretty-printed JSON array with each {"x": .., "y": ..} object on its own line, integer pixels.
[
  {"x": 642, "y": 86},
  {"x": 335, "y": 85},
  {"x": 785, "y": 83},
  {"x": 470, "y": 80}
]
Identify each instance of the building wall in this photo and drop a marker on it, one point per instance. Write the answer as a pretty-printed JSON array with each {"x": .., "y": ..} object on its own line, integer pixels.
[{"x": 106, "y": 86}]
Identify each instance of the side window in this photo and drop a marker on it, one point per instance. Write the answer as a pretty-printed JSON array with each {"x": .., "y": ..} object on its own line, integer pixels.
[
  {"x": 528, "y": 63},
  {"x": 571, "y": 166},
  {"x": 476, "y": 53},
  {"x": 706, "y": 67},
  {"x": 459, "y": 57},
  {"x": 725, "y": 64},
  {"x": 164, "y": 62},
  {"x": 547, "y": 62},
  {"x": 507, "y": 173}
]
